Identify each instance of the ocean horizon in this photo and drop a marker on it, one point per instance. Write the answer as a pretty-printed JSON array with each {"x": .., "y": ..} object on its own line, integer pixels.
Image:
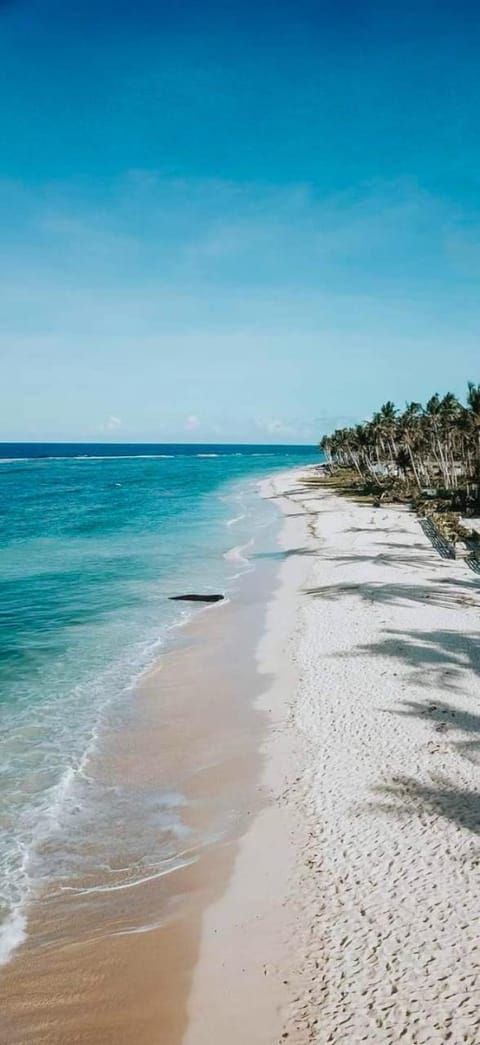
[{"x": 24, "y": 450}]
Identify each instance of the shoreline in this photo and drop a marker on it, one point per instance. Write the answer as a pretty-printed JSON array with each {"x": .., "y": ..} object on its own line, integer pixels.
[
  {"x": 336, "y": 715},
  {"x": 210, "y": 750},
  {"x": 244, "y": 982}
]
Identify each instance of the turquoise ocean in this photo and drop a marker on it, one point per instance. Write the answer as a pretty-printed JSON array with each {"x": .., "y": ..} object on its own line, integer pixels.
[{"x": 93, "y": 541}]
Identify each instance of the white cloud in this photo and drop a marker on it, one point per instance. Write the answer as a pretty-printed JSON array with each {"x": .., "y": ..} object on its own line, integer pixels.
[
  {"x": 274, "y": 426},
  {"x": 299, "y": 429},
  {"x": 295, "y": 287},
  {"x": 112, "y": 424}
]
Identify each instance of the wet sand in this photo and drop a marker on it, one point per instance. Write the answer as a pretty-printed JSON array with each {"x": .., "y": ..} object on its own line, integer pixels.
[
  {"x": 248, "y": 974},
  {"x": 115, "y": 968}
]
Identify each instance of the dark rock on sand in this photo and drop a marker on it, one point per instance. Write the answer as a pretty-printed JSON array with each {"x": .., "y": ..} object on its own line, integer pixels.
[{"x": 196, "y": 598}]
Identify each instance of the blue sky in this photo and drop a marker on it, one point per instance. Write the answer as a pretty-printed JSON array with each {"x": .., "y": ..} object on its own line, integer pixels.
[{"x": 234, "y": 222}]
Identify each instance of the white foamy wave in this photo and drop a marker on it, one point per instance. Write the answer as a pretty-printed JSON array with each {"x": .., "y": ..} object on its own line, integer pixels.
[
  {"x": 121, "y": 886},
  {"x": 236, "y": 555},
  {"x": 207, "y": 455},
  {"x": 12, "y": 934},
  {"x": 113, "y": 457},
  {"x": 93, "y": 457},
  {"x": 236, "y": 519}
]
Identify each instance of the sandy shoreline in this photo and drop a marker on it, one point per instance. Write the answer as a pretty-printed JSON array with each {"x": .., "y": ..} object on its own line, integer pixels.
[
  {"x": 245, "y": 978},
  {"x": 113, "y": 967},
  {"x": 341, "y": 904},
  {"x": 352, "y": 911}
]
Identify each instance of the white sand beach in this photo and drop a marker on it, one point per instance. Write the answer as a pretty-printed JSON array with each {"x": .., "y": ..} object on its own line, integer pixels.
[
  {"x": 352, "y": 912},
  {"x": 341, "y": 903}
]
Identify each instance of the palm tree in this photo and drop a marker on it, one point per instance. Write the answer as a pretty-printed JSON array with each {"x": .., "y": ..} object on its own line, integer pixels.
[
  {"x": 411, "y": 438},
  {"x": 473, "y": 411},
  {"x": 439, "y": 443}
]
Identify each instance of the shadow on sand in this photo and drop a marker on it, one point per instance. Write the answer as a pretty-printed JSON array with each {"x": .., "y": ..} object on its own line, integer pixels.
[
  {"x": 436, "y": 659},
  {"x": 440, "y": 660},
  {"x": 405, "y": 797},
  {"x": 279, "y": 556},
  {"x": 395, "y": 594}
]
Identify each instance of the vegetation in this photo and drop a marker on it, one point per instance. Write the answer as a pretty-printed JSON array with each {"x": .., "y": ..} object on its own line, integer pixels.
[{"x": 420, "y": 453}]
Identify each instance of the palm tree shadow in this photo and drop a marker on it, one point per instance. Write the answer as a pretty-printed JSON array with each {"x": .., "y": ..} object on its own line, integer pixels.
[
  {"x": 438, "y": 659},
  {"x": 372, "y": 529},
  {"x": 405, "y": 797},
  {"x": 447, "y": 720},
  {"x": 442, "y": 657},
  {"x": 382, "y": 558},
  {"x": 398, "y": 544},
  {"x": 296, "y": 515},
  {"x": 396, "y": 594},
  {"x": 279, "y": 556},
  {"x": 441, "y": 660}
]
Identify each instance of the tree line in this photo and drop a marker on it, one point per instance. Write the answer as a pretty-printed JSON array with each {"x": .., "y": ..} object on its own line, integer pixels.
[{"x": 433, "y": 445}]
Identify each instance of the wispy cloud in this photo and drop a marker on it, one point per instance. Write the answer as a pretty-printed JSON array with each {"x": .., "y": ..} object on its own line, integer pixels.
[
  {"x": 242, "y": 233},
  {"x": 112, "y": 424},
  {"x": 274, "y": 426},
  {"x": 249, "y": 300}
]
